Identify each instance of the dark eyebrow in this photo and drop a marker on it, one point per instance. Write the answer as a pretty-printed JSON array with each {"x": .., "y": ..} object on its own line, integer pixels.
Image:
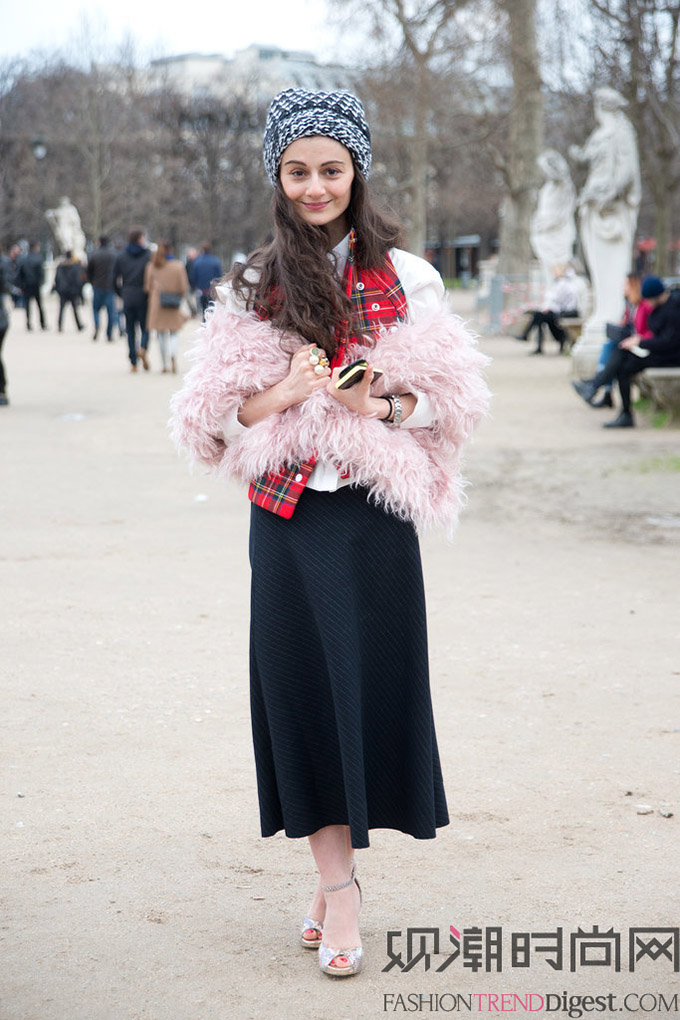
[{"x": 329, "y": 162}]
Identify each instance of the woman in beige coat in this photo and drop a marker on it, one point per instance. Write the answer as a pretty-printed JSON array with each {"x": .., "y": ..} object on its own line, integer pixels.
[{"x": 166, "y": 283}]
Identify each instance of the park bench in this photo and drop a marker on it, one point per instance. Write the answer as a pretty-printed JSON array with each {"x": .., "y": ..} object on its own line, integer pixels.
[
  {"x": 662, "y": 387},
  {"x": 573, "y": 328}
]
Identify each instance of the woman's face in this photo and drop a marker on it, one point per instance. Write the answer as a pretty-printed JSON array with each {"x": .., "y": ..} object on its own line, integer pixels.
[
  {"x": 316, "y": 176},
  {"x": 631, "y": 290}
]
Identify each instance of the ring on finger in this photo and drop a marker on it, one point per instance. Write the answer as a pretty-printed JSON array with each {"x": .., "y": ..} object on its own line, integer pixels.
[{"x": 317, "y": 358}]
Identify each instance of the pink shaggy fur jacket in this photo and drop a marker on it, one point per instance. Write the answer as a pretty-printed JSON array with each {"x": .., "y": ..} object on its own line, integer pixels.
[{"x": 414, "y": 473}]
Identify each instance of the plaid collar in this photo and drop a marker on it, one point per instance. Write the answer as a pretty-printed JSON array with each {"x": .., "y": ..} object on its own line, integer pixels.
[{"x": 377, "y": 296}]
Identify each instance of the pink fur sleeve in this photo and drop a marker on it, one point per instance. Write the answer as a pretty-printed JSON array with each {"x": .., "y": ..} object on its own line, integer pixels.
[{"x": 234, "y": 356}]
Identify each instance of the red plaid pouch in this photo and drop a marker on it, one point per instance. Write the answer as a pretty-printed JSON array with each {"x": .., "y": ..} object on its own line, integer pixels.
[{"x": 279, "y": 491}]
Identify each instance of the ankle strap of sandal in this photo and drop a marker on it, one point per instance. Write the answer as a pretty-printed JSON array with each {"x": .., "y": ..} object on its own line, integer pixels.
[
  {"x": 335, "y": 888},
  {"x": 343, "y": 885}
]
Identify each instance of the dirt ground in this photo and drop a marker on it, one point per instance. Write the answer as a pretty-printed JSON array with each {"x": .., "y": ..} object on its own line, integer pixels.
[{"x": 134, "y": 883}]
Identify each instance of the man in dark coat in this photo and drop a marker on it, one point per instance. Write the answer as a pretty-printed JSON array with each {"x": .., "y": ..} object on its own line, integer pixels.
[
  {"x": 68, "y": 283},
  {"x": 633, "y": 355},
  {"x": 30, "y": 278},
  {"x": 128, "y": 283},
  {"x": 100, "y": 275},
  {"x": 5, "y": 283},
  {"x": 206, "y": 268}
]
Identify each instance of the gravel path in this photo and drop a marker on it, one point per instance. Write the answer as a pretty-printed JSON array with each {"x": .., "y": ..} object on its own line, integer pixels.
[{"x": 134, "y": 883}]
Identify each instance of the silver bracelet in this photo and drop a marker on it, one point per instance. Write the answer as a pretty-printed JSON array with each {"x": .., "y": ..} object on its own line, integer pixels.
[{"x": 398, "y": 410}]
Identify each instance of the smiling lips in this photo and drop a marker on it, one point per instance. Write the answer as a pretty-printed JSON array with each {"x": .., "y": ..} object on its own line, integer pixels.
[{"x": 315, "y": 206}]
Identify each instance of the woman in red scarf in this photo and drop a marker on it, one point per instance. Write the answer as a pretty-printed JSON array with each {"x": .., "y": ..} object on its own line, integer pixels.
[{"x": 339, "y": 479}]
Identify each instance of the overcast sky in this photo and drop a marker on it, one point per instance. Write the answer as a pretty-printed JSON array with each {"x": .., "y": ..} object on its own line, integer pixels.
[{"x": 207, "y": 26}]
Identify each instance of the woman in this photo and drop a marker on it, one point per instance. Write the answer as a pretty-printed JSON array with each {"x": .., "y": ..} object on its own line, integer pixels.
[
  {"x": 634, "y": 322},
  {"x": 341, "y": 712},
  {"x": 166, "y": 283}
]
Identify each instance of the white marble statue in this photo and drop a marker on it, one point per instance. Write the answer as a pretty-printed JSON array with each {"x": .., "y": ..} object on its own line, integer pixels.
[
  {"x": 608, "y": 208},
  {"x": 66, "y": 227},
  {"x": 553, "y": 231}
]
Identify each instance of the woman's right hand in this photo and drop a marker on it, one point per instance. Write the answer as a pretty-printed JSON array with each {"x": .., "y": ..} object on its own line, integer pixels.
[
  {"x": 295, "y": 387},
  {"x": 303, "y": 379}
]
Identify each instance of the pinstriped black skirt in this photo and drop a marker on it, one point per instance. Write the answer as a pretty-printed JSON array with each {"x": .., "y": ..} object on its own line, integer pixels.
[{"x": 340, "y": 696}]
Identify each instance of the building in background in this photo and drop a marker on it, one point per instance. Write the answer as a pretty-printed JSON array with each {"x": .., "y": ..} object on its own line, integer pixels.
[{"x": 261, "y": 70}]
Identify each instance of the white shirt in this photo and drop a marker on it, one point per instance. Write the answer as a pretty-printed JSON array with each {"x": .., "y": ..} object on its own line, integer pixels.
[
  {"x": 423, "y": 289},
  {"x": 562, "y": 295}
]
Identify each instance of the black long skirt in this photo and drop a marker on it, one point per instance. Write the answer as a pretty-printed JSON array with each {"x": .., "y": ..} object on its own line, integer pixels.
[{"x": 340, "y": 696}]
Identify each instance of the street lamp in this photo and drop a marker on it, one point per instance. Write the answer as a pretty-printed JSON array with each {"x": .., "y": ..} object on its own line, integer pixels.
[{"x": 40, "y": 151}]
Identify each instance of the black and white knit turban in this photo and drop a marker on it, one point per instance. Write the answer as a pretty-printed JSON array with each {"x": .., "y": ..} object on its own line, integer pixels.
[{"x": 297, "y": 113}]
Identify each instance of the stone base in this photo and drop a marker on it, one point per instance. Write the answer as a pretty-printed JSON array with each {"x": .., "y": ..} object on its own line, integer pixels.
[{"x": 586, "y": 352}]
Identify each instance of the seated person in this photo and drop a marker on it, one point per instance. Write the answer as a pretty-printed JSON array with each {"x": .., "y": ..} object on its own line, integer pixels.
[
  {"x": 561, "y": 302},
  {"x": 635, "y": 354},
  {"x": 634, "y": 321}
]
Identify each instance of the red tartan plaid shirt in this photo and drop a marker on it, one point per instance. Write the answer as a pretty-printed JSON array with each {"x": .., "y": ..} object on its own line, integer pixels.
[{"x": 378, "y": 301}]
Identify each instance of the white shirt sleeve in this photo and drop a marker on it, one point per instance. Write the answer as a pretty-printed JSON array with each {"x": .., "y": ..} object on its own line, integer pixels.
[
  {"x": 225, "y": 294},
  {"x": 424, "y": 290},
  {"x": 231, "y": 426},
  {"x": 423, "y": 413},
  {"x": 423, "y": 286}
]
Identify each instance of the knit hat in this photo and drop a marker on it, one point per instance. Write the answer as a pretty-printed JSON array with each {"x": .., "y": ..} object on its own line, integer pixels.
[
  {"x": 298, "y": 113},
  {"x": 652, "y": 286}
]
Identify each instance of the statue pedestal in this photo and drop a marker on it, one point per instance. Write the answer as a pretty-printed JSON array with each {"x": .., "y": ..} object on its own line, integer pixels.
[{"x": 586, "y": 352}]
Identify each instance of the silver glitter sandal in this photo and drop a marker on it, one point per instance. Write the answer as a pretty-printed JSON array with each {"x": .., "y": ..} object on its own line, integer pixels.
[
  {"x": 354, "y": 956},
  {"x": 309, "y": 924}
]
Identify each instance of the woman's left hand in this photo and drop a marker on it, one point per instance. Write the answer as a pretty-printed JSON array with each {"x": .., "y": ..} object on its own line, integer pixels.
[{"x": 358, "y": 397}]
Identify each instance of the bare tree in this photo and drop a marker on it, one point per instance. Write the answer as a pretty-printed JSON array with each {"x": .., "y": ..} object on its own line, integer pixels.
[
  {"x": 518, "y": 168},
  {"x": 95, "y": 135},
  {"x": 421, "y": 39},
  {"x": 462, "y": 189},
  {"x": 213, "y": 164}
]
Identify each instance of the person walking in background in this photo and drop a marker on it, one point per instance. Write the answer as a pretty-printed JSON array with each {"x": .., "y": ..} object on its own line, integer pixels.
[
  {"x": 30, "y": 278},
  {"x": 191, "y": 256},
  {"x": 100, "y": 275},
  {"x": 128, "y": 283},
  {"x": 204, "y": 270},
  {"x": 68, "y": 283},
  {"x": 14, "y": 256},
  {"x": 340, "y": 478},
  {"x": 166, "y": 283},
  {"x": 5, "y": 285}
]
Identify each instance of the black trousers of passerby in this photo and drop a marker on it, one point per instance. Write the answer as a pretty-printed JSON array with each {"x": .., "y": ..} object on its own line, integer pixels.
[
  {"x": 205, "y": 302},
  {"x": 622, "y": 366},
  {"x": 3, "y": 378},
  {"x": 34, "y": 295},
  {"x": 63, "y": 301},
  {"x": 549, "y": 319},
  {"x": 135, "y": 315}
]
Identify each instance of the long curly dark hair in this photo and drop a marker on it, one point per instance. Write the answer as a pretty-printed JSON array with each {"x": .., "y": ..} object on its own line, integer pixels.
[{"x": 292, "y": 281}]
